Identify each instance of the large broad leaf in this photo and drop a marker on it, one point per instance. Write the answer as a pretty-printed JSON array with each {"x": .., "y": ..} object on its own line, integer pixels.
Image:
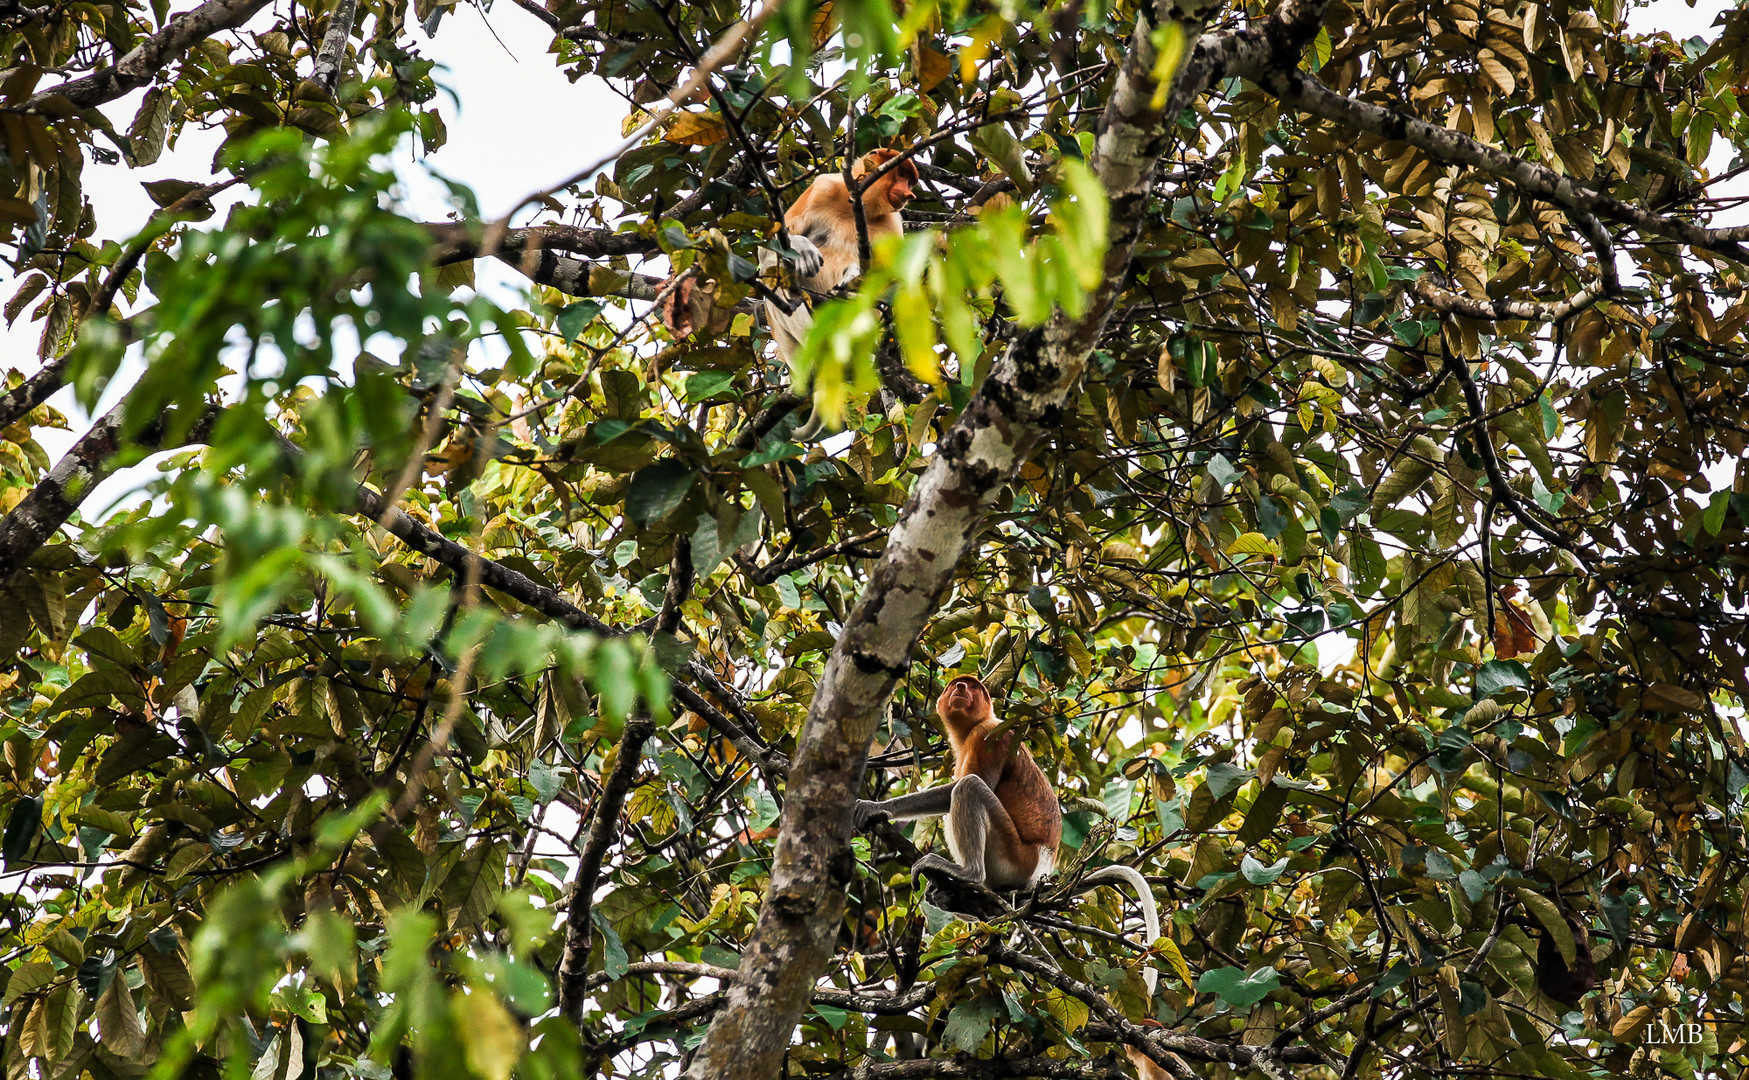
[
  {"x": 22, "y": 827},
  {"x": 1236, "y": 988},
  {"x": 1498, "y": 675},
  {"x": 657, "y": 489}
]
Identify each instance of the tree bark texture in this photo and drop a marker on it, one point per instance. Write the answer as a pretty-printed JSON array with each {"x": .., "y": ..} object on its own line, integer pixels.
[
  {"x": 86, "y": 464},
  {"x": 145, "y": 61}
]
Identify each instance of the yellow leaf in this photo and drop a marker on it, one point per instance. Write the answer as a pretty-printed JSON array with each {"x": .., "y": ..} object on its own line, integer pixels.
[
  {"x": 1496, "y": 72},
  {"x": 932, "y": 67},
  {"x": 1169, "y": 50},
  {"x": 822, "y": 26},
  {"x": 494, "y": 1042},
  {"x": 973, "y": 52},
  {"x": 1252, "y": 544},
  {"x": 696, "y": 129},
  {"x": 1631, "y": 1023},
  {"x": 1169, "y": 949}
]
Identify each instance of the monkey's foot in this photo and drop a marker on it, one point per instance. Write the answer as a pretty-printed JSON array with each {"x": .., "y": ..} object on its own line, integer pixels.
[
  {"x": 936, "y": 868},
  {"x": 952, "y": 889}
]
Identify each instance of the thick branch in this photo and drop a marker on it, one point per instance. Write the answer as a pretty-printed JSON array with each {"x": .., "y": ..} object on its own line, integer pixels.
[
  {"x": 882, "y": 1004},
  {"x": 572, "y": 275},
  {"x": 145, "y": 61},
  {"x": 1608, "y": 283},
  {"x": 33, "y": 391},
  {"x": 326, "y": 73},
  {"x": 680, "y": 577},
  {"x": 86, "y": 464},
  {"x": 967, "y": 1067},
  {"x": 458, "y": 242}
]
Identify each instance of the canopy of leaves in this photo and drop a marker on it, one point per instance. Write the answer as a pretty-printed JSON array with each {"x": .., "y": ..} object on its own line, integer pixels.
[{"x": 1379, "y": 594}]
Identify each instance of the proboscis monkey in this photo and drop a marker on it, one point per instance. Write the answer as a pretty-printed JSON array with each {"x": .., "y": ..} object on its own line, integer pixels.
[
  {"x": 1003, "y": 819},
  {"x": 822, "y": 231}
]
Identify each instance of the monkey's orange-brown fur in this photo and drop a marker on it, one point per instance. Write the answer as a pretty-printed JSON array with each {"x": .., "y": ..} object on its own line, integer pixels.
[
  {"x": 822, "y": 227},
  {"x": 1006, "y": 765},
  {"x": 1003, "y": 819},
  {"x": 825, "y": 216}
]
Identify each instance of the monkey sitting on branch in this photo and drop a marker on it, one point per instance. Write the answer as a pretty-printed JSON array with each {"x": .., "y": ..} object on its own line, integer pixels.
[{"x": 1003, "y": 819}]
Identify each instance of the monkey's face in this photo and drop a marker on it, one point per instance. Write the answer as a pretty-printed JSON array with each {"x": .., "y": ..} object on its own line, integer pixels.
[
  {"x": 899, "y": 187},
  {"x": 965, "y": 699},
  {"x": 895, "y": 188}
]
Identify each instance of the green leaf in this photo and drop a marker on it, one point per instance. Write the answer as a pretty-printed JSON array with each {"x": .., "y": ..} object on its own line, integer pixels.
[
  {"x": 999, "y": 146},
  {"x": 613, "y": 950},
  {"x": 139, "y": 749},
  {"x": 1236, "y": 988},
  {"x": 708, "y": 384},
  {"x": 969, "y": 1024},
  {"x": 1258, "y": 874},
  {"x": 94, "y": 689},
  {"x": 835, "y": 1018},
  {"x": 1498, "y": 675},
  {"x": 1553, "y": 922},
  {"x": 658, "y": 489},
  {"x": 1116, "y": 798},
  {"x": 102, "y": 642},
  {"x": 1714, "y": 518},
  {"x": 545, "y": 779},
  {"x": 165, "y": 192},
  {"x": 28, "y": 978},
  {"x": 22, "y": 827},
  {"x": 772, "y": 450},
  {"x": 765, "y": 810},
  {"x": 1226, "y": 777},
  {"x": 575, "y": 318}
]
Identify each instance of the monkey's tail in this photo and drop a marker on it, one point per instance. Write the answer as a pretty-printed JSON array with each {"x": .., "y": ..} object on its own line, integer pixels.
[{"x": 1113, "y": 875}]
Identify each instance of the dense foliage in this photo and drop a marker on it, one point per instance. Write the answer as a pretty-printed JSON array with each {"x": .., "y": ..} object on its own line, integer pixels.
[{"x": 1378, "y": 591}]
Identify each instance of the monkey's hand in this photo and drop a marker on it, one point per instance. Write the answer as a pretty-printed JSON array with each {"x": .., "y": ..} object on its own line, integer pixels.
[
  {"x": 808, "y": 258},
  {"x": 867, "y": 815}
]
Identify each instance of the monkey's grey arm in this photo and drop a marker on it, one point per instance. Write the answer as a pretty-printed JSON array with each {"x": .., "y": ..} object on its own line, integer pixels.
[{"x": 933, "y": 802}]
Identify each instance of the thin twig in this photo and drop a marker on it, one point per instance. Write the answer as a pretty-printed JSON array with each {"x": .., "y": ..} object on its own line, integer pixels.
[{"x": 574, "y": 966}]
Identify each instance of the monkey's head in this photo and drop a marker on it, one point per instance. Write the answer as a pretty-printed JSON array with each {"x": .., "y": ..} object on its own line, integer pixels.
[
  {"x": 894, "y": 188},
  {"x": 965, "y": 702}
]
